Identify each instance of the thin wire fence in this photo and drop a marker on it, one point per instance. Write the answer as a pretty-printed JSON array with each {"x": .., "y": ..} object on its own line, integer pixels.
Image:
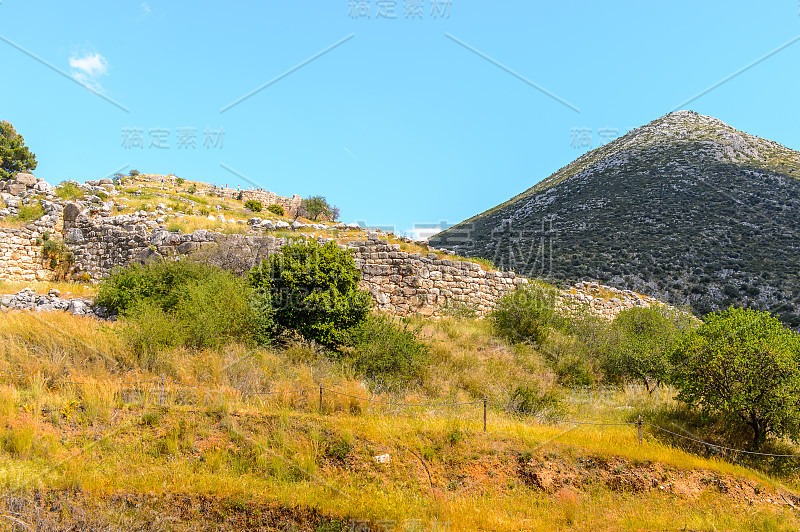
[{"x": 161, "y": 387}]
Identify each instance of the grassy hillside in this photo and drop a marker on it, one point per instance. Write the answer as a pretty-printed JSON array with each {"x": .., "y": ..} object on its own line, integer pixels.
[{"x": 95, "y": 438}]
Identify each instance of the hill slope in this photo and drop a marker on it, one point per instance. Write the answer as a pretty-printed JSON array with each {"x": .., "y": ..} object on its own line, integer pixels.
[{"x": 686, "y": 208}]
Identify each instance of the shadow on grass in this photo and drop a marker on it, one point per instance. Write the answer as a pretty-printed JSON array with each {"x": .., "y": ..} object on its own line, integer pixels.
[{"x": 719, "y": 431}]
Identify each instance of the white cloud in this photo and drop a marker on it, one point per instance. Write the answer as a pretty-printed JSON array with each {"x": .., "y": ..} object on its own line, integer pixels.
[
  {"x": 146, "y": 9},
  {"x": 87, "y": 68},
  {"x": 92, "y": 65}
]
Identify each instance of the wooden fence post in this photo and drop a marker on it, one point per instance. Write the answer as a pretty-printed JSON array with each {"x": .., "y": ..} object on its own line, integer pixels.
[
  {"x": 320, "y": 398},
  {"x": 639, "y": 423},
  {"x": 161, "y": 396},
  {"x": 484, "y": 413}
]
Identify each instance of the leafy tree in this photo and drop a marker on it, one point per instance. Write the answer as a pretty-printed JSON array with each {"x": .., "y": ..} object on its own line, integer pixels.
[
  {"x": 14, "y": 155},
  {"x": 317, "y": 206},
  {"x": 642, "y": 340},
  {"x": 525, "y": 314},
  {"x": 276, "y": 209},
  {"x": 745, "y": 365},
  {"x": 313, "y": 289},
  {"x": 133, "y": 173}
]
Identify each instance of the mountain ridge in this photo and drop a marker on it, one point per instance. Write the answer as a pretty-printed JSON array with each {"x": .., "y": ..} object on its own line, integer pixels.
[{"x": 686, "y": 208}]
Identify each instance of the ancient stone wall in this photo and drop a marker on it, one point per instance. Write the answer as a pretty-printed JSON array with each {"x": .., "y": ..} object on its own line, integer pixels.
[
  {"x": 267, "y": 198},
  {"x": 21, "y": 256},
  {"x": 400, "y": 282}
]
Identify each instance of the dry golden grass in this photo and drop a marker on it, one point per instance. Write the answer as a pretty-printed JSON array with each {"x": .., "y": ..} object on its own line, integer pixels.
[
  {"x": 86, "y": 414},
  {"x": 67, "y": 288}
]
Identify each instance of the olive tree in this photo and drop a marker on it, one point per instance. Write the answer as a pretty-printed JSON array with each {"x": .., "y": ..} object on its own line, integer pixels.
[
  {"x": 745, "y": 365},
  {"x": 641, "y": 342}
]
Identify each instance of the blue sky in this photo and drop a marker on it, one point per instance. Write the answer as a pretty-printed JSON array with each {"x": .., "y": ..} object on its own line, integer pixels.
[{"x": 412, "y": 119}]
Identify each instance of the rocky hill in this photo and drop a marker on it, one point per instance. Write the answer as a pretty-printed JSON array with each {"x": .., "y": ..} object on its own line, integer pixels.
[{"x": 686, "y": 208}]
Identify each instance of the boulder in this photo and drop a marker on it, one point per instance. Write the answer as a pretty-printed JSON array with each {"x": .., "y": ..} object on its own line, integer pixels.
[
  {"x": 280, "y": 224},
  {"x": 71, "y": 212},
  {"x": 78, "y": 307},
  {"x": 16, "y": 189},
  {"x": 26, "y": 179},
  {"x": 353, "y": 226}
]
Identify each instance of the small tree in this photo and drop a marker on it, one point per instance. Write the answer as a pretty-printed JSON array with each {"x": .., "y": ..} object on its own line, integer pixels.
[
  {"x": 133, "y": 173},
  {"x": 317, "y": 206},
  {"x": 334, "y": 213},
  {"x": 313, "y": 289},
  {"x": 276, "y": 209},
  {"x": 642, "y": 341},
  {"x": 526, "y": 314},
  {"x": 743, "y": 364},
  {"x": 14, "y": 155}
]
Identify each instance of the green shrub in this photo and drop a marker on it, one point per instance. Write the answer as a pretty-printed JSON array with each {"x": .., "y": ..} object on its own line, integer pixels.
[
  {"x": 526, "y": 314},
  {"x": 253, "y": 205},
  {"x": 69, "y": 190},
  {"x": 173, "y": 304},
  {"x": 56, "y": 252},
  {"x": 313, "y": 290},
  {"x": 179, "y": 181},
  {"x": 192, "y": 189},
  {"x": 28, "y": 213},
  {"x": 161, "y": 283},
  {"x": 276, "y": 209},
  {"x": 745, "y": 365},
  {"x": 388, "y": 354},
  {"x": 133, "y": 173},
  {"x": 532, "y": 400},
  {"x": 641, "y": 343}
]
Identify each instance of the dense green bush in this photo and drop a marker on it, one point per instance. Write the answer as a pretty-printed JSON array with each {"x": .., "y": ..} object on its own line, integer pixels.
[
  {"x": 745, "y": 365},
  {"x": 253, "y": 205},
  {"x": 170, "y": 304},
  {"x": 276, "y": 209},
  {"x": 313, "y": 289},
  {"x": 641, "y": 343},
  {"x": 385, "y": 352},
  {"x": 526, "y": 314},
  {"x": 162, "y": 283}
]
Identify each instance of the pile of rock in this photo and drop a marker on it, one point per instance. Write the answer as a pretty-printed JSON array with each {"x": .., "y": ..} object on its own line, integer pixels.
[
  {"x": 27, "y": 299},
  {"x": 22, "y": 190}
]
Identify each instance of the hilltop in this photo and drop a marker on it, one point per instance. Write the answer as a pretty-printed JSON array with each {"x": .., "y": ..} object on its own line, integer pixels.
[{"x": 685, "y": 208}]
